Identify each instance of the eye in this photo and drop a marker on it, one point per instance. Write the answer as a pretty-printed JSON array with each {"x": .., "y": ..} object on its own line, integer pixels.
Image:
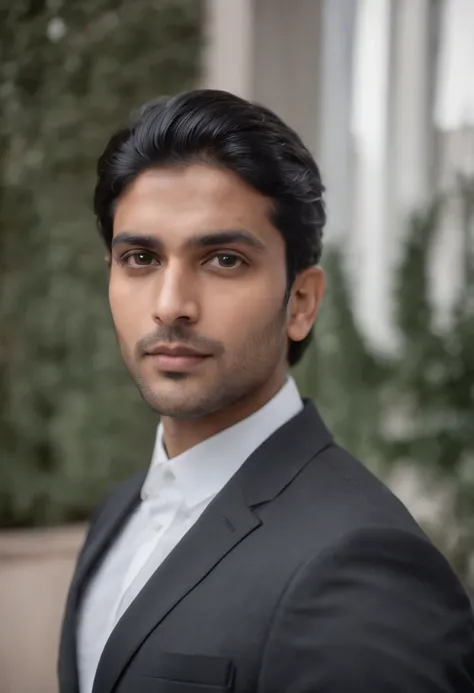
[
  {"x": 139, "y": 258},
  {"x": 227, "y": 261}
]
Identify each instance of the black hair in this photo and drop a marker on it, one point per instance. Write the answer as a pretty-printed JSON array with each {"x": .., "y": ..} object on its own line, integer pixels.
[{"x": 220, "y": 128}]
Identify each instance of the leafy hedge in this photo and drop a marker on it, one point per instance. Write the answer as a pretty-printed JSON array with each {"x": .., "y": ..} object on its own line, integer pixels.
[{"x": 70, "y": 73}]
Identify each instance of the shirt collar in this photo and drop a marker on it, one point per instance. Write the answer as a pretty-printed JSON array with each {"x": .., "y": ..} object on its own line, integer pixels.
[{"x": 204, "y": 470}]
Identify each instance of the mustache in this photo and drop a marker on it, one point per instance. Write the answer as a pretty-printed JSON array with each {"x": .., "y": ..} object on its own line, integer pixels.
[{"x": 177, "y": 334}]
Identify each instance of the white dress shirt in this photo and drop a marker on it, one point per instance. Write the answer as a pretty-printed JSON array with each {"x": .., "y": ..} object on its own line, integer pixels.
[{"x": 175, "y": 493}]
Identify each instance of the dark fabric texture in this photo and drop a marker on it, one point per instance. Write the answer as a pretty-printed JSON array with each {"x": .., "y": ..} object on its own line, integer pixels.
[{"x": 304, "y": 575}]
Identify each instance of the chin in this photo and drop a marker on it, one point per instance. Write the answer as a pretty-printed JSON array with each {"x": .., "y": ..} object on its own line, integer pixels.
[
  {"x": 177, "y": 396},
  {"x": 184, "y": 411},
  {"x": 182, "y": 404}
]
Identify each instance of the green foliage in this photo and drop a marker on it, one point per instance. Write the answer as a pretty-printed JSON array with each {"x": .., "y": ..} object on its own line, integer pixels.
[
  {"x": 416, "y": 407},
  {"x": 340, "y": 372},
  {"x": 70, "y": 74}
]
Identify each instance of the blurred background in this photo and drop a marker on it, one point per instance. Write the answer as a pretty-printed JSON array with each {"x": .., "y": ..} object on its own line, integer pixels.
[{"x": 382, "y": 93}]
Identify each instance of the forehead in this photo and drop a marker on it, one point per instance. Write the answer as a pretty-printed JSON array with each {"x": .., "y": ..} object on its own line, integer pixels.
[{"x": 191, "y": 198}]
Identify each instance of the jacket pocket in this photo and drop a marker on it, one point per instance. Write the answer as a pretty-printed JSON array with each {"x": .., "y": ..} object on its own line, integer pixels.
[
  {"x": 143, "y": 684},
  {"x": 180, "y": 673}
]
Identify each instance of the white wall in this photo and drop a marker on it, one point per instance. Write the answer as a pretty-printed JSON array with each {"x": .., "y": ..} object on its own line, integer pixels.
[{"x": 358, "y": 80}]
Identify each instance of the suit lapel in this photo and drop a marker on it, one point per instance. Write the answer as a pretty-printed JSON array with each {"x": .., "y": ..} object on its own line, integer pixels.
[
  {"x": 283, "y": 455},
  {"x": 110, "y": 525},
  {"x": 225, "y": 523}
]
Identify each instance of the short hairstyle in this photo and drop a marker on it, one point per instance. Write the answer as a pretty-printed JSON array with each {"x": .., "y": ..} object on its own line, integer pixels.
[{"x": 219, "y": 128}]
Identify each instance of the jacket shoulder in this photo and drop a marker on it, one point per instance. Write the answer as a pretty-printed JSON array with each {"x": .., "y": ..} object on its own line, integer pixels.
[{"x": 337, "y": 486}]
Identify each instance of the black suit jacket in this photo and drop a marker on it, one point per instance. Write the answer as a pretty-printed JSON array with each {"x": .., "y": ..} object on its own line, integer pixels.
[{"x": 305, "y": 574}]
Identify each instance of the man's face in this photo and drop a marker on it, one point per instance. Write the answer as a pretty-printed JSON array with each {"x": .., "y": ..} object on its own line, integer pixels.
[{"x": 197, "y": 288}]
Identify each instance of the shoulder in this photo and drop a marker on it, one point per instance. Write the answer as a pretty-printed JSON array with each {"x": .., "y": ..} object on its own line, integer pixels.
[
  {"x": 384, "y": 556},
  {"x": 350, "y": 497},
  {"x": 388, "y": 603}
]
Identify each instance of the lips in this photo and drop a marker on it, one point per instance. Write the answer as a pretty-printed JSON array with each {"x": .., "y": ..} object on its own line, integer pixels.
[
  {"x": 175, "y": 352},
  {"x": 176, "y": 358}
]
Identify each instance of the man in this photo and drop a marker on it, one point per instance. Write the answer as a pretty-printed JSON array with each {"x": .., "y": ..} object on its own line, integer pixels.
[{"x": 255, "y": 555}]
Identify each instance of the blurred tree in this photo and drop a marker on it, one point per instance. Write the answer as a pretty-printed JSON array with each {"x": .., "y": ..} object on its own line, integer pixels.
[
  {"x": 70, "y": 73},
  {"x": 415, "y": 408}
]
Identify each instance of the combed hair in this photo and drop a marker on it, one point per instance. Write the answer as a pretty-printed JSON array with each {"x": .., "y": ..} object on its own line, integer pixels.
[{"x": 222, "y": 129}]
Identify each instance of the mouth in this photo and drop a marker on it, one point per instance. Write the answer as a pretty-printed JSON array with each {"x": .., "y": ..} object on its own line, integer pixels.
[{"x": 177, "y": 358}]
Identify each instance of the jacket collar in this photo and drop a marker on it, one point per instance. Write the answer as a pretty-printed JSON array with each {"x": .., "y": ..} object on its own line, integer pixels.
[{"x": 226, "y": 522}]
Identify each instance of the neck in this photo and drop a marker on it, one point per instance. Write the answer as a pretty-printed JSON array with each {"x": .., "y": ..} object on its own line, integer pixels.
[{"x": 181, "y": 435}]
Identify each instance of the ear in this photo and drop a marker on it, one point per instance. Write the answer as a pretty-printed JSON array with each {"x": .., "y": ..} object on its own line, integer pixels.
[
  {"x": 306, "y": 296},
  {"x": 108, "y": 260}
]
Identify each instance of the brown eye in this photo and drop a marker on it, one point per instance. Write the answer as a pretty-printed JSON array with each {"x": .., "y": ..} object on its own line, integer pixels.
[
  {"x": 139, "y": 258},
  {"x": 227, "y": 261}
]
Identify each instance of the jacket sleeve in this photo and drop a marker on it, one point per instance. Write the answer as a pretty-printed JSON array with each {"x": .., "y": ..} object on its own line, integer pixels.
[{"x": 382, "y": 612}]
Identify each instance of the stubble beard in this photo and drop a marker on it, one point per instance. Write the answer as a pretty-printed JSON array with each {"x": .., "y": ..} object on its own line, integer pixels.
[{"x": 252, "y": 366}]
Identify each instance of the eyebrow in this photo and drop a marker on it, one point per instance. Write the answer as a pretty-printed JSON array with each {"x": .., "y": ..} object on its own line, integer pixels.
[{"x": 209, "y": 239}]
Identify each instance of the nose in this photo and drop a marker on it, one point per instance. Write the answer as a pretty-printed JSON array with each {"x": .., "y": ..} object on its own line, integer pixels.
[{"x": 176, "y": 297}]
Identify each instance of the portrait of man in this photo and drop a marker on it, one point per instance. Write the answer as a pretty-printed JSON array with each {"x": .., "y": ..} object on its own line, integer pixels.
[{"x": 252, "y": 553}]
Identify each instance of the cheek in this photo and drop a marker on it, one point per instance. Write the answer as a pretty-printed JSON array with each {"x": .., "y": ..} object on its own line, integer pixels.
[
  {"x": 116, "y": 301},
  {"x": 125, "y": 309},
  {"x": 239, "y": 314}
]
